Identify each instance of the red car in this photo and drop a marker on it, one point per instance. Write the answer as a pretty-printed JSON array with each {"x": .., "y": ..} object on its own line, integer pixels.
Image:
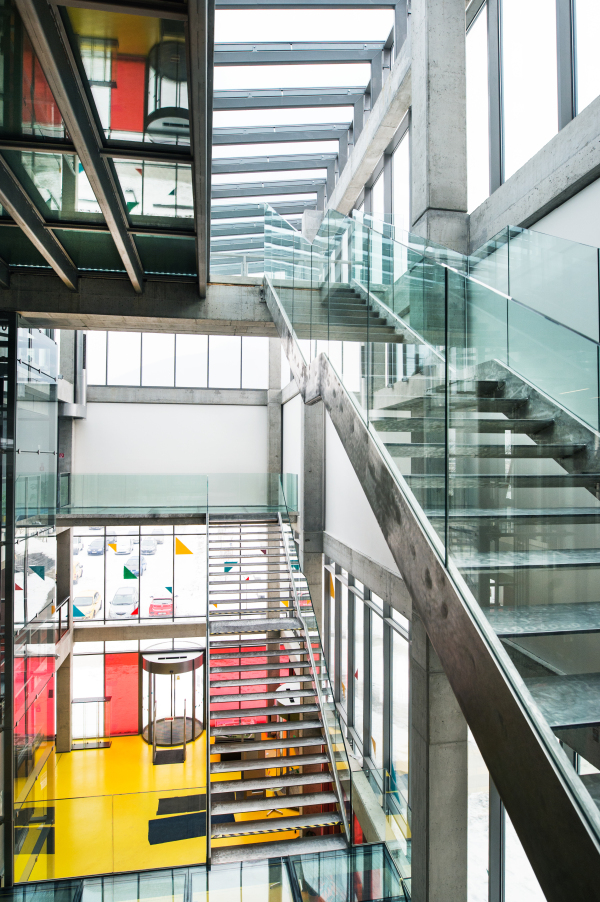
[{"x": 161, "y": 607}]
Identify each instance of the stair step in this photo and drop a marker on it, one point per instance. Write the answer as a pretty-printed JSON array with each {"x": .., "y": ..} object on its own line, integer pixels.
[
  {"x": 256, "y": 696},
  {"x": 257, "y": 851},
  {"x": 258, "y": 681},
  {"x": 269, "y": 782},
  {"x": 225, "y": 656},
  {"x": 255, "y": 582},
  {"x": 256, "y": 626},
  {"x": 276, "y": 824},
  {"x": 271, "y": 710},
  {"x": 437, "y": 450},
  {"x": 289, "y": 801},
  {"x": 240, "y": 668},
  {"x": 517, "y": 425},
  {"x": 253, "y": 643},
  {"x": 225, "y": 748},
  {"x": 225, "y": 767},
  {"x": 266, "y": 728}
]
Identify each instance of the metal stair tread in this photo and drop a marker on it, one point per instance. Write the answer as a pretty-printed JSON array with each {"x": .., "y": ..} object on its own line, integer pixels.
[
  {"x": 269, "y": 782},
  {"x": 276, "y": 824},
  {"x": 225, "y": 767},
  {"x": 225, "y": 748},
  {"x": 240, "y": 668},
  {"x": 302, "y": 800},
  {"x": 480, "y": 451},
  {"x": 256, "y": 851},
  {"x": 260, "y": 681},
  {"x": 257, "y": 626},
  {"x": 271, "y": 710},
  {"x": 519, "y": 425},
  {"x": 256, "y": 696},
  {"x": 235, "y": 730}
]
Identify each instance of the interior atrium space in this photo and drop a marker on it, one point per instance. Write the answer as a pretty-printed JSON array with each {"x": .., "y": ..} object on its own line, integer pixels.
[{"x": 300, "y": 450}]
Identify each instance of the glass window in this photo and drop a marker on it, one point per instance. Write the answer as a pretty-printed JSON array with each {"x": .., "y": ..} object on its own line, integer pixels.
[
  {"x": 124, "y": 349},
  {"x": 520, "y": 882},
  {"x": 529, "y": 86},
  {"x": 377, "y": 671},
  {"x": 190, "y": 573},
  {"x": 224, "y": 361},
  {"x": 255, "y": 362},
  {"x": 377, "y": 198},
  {"x": 191, "y": 361},
  {"x": 478, "y": 824},
  {"x": 331, "y": 662},
  {"x": 400, "y": 718},
  {"x": 478, "y": 119},
  {"x": 95, "y": 357},
  {"x": 587, "y": 60},
  {"x": 401, "y": 184},
  {"x": 359, "y": 673},
  {"x": 158, "y": 359},
  {"x": 344, "y": 649}
]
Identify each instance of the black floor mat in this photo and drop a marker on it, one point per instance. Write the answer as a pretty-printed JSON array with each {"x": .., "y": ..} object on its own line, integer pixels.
[
  {"x": 173, "y": 829},
  {"x": 169, "y": 756},
  {"x": 181, "y": 804}
]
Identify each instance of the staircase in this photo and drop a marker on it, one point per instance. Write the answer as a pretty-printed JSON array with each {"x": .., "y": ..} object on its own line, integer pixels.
[{"x": 272, "y": 772}]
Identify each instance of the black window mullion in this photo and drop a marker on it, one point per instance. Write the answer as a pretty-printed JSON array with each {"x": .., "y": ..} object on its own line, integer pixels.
[{"x": 367, "y": 692}]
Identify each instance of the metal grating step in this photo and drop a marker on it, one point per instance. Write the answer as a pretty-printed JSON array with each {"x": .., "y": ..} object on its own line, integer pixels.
[
  {"x": 256, "y": 626},
  {"x": 263, "y": 804},
  {"x": 254, "y": 851},
  {"x": 271, "y": 710},
  {"x": 257, "y": 696},
  {"x": 226, "y": 767},
  {"x": 226, "y": 748},
  {"x": 277, "y": 824},
  {"x": 241, "y": 668},
  {"x": 259, "y": 681},
  {"x": 238, "y": 730},
  {"x": 269, "y": 782}
]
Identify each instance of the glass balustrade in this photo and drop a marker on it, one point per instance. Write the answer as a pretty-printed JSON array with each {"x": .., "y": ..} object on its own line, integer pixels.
[{"x": 486, "y": 410}]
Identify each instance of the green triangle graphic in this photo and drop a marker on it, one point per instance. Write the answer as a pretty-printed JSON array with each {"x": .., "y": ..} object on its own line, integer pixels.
[
  {"x": 229, "y": 565},
  {"x": 41, "y": 571},
  {"x": 77, "y": 612},
  {"x": 169, "y": 589},
  {"x": 131, "y": 204},
  {"x": 127, "y": 574}
]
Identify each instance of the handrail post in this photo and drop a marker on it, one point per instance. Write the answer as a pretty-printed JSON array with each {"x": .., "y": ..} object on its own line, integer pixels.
[{"x": 184, "y": 727}]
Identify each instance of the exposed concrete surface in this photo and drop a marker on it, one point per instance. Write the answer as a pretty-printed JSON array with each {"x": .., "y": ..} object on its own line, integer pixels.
[
  {"x": 115, "y": 632},
  {"x": 64, "y": 694},
  {"x": 439, "y": 122},
  {"x": 312, "y": 506},
  {"x": 388, "y": 111},
  {"x": 438, "y": 778},
  {"x": 567, "y": 163},
  {"x": 118, "y": 394},
  {"x": 274, "y": 416},
  {"x": 368, "y": 809},
  {"x": 232, "y": 308},
  {"x": 289, "y": 391},
  {"x": 389, "y": 586}
]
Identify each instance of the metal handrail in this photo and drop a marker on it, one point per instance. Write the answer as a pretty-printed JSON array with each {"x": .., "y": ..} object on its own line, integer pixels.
[
  {"x": 154, "y": 733},
  {"x": 207, "y": 700},
  {"x": 316, "y": 680},
  {"x": 184, "y": 727}
]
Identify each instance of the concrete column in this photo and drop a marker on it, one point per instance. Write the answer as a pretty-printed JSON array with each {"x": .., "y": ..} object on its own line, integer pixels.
[
  {"x": 274, "y": 406},
  {"x": 64, "y": 695},
  {"x": 438, "y": 778},
  {"x": 312, "y": 506},
  {"x": 438, "y": 122}
]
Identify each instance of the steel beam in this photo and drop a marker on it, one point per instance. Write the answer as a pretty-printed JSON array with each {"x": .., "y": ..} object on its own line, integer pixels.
[
  {"x": 159, "y": 9},
  {"x": 276, "y": 134},
  {"x": 300, "y": 53},
  {"x": 16, "y": 202},
  {"x": 307, "y": 4},
  {"x": 200, "y": 39},
  {"x": 225, "y": 245},
  {"x": 117, "y": 150},
  {"x": 238, "y": 211},
  {"x": 225, "y": 229},
  {"x": 51, "y": 44},
  {"x": 260, "y": 189},
  {"x": 287, "y": 98},
  {"x": 273, "y": 164}
]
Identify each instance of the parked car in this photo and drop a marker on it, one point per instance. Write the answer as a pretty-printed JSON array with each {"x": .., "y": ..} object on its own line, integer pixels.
[
  {"x": 124, "y": 545},
  {"x": 96, "y": 546},
  {"x": 161, "y": 606},
  {"x": 148, "y": 545},
  {"x": 77, "y": 571},
  {"x": 86, "y": 604},
  {"x": 158, "y": 535},
  {"x": 124, "y": 602},
  {"x": 77, "y": 545},
  {"x": 133, "y": 564}
]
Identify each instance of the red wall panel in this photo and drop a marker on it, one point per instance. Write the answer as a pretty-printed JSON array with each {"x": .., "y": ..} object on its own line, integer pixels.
[
  {"x": 121, "y": 684},
  {"x": 127, "y": 99}
]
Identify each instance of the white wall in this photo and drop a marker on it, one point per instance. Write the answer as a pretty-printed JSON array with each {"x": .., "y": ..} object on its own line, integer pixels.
[
  {"x": 171, "y": 438},
  {"x": 292, "y": 435},
  {"x": 578, "y": 219},
  {"x": 348, "y": 514}
]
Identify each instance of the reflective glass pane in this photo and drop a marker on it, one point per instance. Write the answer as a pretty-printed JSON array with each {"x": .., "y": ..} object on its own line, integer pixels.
[
  {"x": 587, "y": 32},
  {"x": 94, "y": 251},
  {"x": 190, "y": 574},
  {"x": 224, "y": 361},
  {"x": 124, "y": 350},
  {"x": 156, "y": 190},
  {"x": 255, "y": 362},
  {"x": 401, "y": 184},
  {"x": 344, "y": 648},
  {"x": 359, "y": 665},
  {"x": 95, "y": 356},
  {"x": 478, "y": 143},
  {"x": 167, "y": 254},
  {"x": 377, "y": 199},
  {"x": 377, "y": 672},
  {"x": 158, "y": 359},
  {"x": 191, "y": 361},
  {"x": 478, "y": 824},
  {"x": 400, "y": 718},
  {"x": 57, "y": 185},
  {"x": 137, "y": 71},
  {"x": 528, "y": 79}
]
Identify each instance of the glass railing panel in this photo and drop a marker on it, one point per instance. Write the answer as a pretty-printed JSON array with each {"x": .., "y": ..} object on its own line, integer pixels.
[
  {"x": 558, "y": 278},
  {"x": 489, "y": 264},
  {"x": 366, "y": 873}
]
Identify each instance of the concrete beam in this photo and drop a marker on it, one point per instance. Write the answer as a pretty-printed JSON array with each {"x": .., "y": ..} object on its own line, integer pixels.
[
  {"x": 233, "y": 307},
  {"x": 388, "y": 112},
  {"x": 274, "y": 418},
  {"x": 567, "y": 163},
  {"x": 388, "y": 585},
  {"x": 118, "y": 394},
  {"x": 117, "y": 632}
]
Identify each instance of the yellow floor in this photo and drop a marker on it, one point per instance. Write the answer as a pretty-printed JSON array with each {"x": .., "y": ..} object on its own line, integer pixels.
[{"x": 103, "y": 800}]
